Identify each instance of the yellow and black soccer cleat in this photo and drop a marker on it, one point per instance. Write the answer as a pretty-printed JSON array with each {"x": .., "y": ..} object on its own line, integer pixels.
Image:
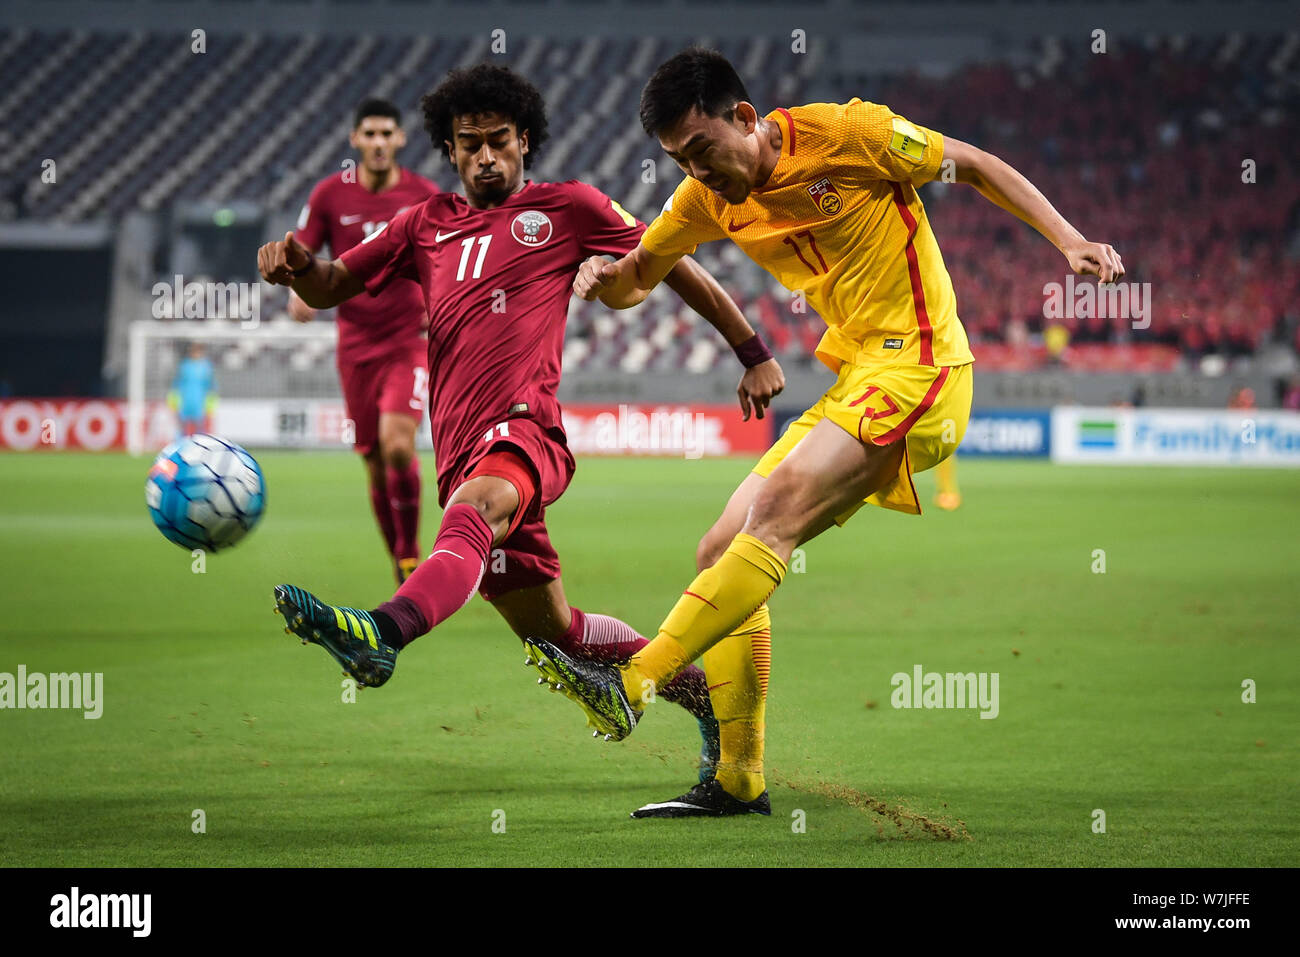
[
  {"x": 593, "y": 685},
  {"x": 349, "y": 634}
]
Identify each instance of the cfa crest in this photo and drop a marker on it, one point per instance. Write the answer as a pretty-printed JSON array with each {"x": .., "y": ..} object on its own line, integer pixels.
[
  {"x": 531, "y": 228},
  {"x": 826, "y": 196}
]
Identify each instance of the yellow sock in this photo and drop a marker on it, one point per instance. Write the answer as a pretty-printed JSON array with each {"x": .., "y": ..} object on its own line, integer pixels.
[
  {"x": 945, "y": 476},
  {"x": 717, "y": 601},
  {"x": 737, "y": 668}
]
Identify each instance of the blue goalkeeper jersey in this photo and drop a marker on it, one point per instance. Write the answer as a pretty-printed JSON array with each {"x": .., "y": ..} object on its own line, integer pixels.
[{"x": 192, "y": 385}]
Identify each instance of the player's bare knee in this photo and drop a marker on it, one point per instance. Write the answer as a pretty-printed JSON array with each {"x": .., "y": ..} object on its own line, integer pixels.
[
  {"x": 396, "y": 442},
  {"x": 710, "y": 549},
  {"x": 492, "y": 507},
  {"x": 494, "y": 500},
  {"x": 398, "y": 454},
  {"x": 777, "y": 515}
]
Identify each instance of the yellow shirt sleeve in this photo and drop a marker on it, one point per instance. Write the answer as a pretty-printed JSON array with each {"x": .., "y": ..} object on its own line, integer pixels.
[
  {"x": 889, "y": 146},
  {"x": 685, "y": 221}
]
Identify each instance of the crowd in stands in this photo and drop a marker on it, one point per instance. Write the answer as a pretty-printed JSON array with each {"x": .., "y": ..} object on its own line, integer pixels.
[{"x": 1180, "y": 152}]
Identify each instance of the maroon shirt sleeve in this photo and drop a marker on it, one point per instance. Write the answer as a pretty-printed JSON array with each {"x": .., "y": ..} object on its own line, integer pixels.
[
  {"x": 386, "y": 254},
  {"x": 606, "y": 228},
  {"x": 311, "y": 231}
]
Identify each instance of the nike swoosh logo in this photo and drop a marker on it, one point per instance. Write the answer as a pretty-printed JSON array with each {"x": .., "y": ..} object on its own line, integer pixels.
[
  {"x": 349, "y": 220},
  {"x": 732, "y": 227},
  {"x": 722, "y": 685},
  {"x": 446, "y": 551},
  {"x": 441, "y": 235}
]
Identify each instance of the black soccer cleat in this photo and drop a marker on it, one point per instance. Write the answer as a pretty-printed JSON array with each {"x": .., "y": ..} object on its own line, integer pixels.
[{"x": 707, "y": 799}]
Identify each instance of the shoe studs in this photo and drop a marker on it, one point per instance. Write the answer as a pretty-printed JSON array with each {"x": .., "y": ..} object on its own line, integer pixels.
[
  {"x": 529, "y": 660},
  {"x": 595, "y": 734},
  {"x": 541, "y": 681},
  {"x": 609, "y": 737}
]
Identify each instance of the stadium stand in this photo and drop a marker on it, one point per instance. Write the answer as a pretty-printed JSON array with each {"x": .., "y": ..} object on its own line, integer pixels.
[{"x": 1155, "y": 134}]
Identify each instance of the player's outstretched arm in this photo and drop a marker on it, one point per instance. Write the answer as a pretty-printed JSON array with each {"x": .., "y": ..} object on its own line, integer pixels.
[
  {"x": 320, "y": 283},
  {"x": 625, "y": 283},
  {"x": 763, "y": 377},
  {"x": 1003, "y": 186}
]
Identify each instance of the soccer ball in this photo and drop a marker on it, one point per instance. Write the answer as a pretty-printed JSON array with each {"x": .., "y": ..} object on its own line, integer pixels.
[{"x": 204, "y": 492}]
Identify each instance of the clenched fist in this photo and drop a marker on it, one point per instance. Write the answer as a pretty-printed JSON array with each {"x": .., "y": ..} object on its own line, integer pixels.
[
  {"x": 594, "y": 276},
  {"x": 278, "y": 261}
]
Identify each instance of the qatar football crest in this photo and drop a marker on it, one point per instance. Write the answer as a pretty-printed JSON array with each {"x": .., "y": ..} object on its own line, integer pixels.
[{"x": 531, "y": 228}]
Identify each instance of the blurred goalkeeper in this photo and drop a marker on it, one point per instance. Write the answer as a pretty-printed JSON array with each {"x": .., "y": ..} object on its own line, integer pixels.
[{"x": 193, "y": 394}]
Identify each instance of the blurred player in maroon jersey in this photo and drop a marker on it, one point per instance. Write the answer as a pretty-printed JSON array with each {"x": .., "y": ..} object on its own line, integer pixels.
[
  {"x": 382, "y": 354},
  {"x": 496, "y": 267}
]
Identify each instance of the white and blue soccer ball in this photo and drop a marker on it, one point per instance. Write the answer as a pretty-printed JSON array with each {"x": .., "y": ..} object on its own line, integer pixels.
[{"x": 204, "y": 492}]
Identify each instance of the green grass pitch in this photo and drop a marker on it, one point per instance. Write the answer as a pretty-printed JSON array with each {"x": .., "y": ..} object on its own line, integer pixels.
[{"x": 1119, "y": 691}]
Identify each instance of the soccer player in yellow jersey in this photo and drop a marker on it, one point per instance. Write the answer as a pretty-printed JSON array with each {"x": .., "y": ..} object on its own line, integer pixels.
[{"x": 824, "y": 197}]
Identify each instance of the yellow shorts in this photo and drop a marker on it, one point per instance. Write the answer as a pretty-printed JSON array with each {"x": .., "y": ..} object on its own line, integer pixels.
[{"x": 929, "y": 406}]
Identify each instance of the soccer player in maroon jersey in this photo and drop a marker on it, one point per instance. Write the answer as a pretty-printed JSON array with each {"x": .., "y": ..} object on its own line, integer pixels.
[
  {"x": 496, "y": 267},
  {"x": 382, "y": 352}
]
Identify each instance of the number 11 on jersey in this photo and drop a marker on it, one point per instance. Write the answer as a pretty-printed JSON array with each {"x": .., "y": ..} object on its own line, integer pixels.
[{"x": 466, "y": 245}]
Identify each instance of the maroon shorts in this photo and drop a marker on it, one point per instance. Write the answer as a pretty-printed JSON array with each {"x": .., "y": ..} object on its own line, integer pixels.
[
  {"x": 525, "y": 558},
  {"x": 397, "y": 382}
]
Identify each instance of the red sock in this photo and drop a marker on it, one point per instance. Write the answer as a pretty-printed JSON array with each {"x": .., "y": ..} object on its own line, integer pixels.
[
  {"x": 446, "y": 580},
  {"x": 603, "y": 638},
  {"x": 600, "y": 637},
  {"x": 384, "y": 516},
  {"x": 404, "y": 502}
]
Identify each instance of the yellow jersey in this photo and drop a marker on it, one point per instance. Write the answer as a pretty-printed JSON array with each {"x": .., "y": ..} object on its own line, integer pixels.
[{"x": 839, "y": 220}]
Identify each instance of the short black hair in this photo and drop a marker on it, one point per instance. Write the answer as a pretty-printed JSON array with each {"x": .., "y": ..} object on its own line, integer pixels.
[
  {"x": 696, "y": 77},
  {"x": 375, "y": 106},
  {"x": 485, "y": 88}
]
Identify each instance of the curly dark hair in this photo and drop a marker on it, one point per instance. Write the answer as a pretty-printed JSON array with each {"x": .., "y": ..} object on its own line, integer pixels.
[{"x": 486, "y": 88}]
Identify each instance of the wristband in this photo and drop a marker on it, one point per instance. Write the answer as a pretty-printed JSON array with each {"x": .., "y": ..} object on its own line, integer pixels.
[
  {"x": 752, "y": 352},
  {"x": 303, "y": 271}
]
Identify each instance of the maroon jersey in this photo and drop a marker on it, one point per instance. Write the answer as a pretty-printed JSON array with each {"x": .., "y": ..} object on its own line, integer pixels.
[
  {"x": 341, "y": 214},
  {"x": 496, "y": 285}
]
